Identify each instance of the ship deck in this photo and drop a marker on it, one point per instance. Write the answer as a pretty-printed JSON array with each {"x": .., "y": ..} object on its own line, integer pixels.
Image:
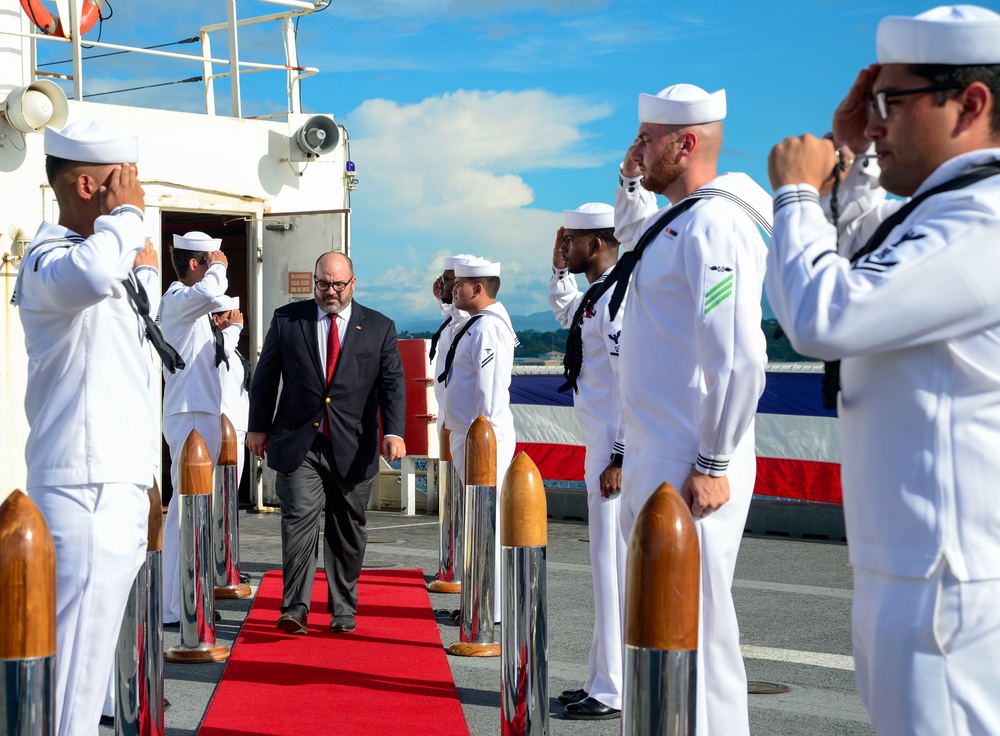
[{"x": 793, "y": 599}]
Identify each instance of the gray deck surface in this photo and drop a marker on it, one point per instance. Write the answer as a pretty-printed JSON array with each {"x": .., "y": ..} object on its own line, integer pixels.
[{"x": 793, "y": 599}]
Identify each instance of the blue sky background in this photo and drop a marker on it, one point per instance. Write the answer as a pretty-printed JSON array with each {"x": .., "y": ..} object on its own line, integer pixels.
[{"x": 474, "y": 123}]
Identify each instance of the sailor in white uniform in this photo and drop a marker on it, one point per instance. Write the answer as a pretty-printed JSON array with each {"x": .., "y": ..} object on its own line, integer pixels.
[
  {"x": 586, "y": 244},
  {"x": 234, "y": 373},
  {"x": 693, "y": 356},
  {"x": 914, "y": 317},
  {"x": 89, "y": 410},
  {"x": 477, "y": 374},
  {"x": 454, "y": 318},
  {"x": 192, "y": 398}
]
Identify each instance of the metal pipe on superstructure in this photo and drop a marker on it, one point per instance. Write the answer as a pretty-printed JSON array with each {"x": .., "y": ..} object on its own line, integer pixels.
[
  {"x": 476, "y": 637},
  {"x": 450, "y": 519},
  {"x": 27, "y": 620},
  {"x": 662, "y": 580},
  {"x": 524, "y": 667},
  {"x": 194, "y": 476},
  {"x": 225, "y": 519}
]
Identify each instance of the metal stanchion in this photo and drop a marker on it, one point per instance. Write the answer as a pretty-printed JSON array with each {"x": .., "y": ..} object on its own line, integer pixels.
[
  {"x": 449, "y": 578},
  {"x": 194, "y": 477},
  {"x": 662, "y": 579},
  {"x": 475, "y": 631},
  {"x": 225, "y": 520},
  {"x": 524, "y": 667},
  {"x": 27, "y": 620},
  {"x": 151, "y": 721}
]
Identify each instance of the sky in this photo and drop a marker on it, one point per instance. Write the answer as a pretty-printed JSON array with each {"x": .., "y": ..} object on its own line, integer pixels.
[{"x": 474, "y": 123}]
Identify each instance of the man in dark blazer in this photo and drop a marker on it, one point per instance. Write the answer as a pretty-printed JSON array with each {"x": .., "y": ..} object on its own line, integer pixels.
[{"x": 340, "y": 368}]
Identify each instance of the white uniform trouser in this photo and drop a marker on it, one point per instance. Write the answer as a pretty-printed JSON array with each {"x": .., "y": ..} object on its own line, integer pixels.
[
  {"x": 99, "y": 532},
  {"x": 176, "y": 428},
  {"x": 926, "y": 653},
  {"x": 721, "y": 704},
  {"x": 607, "y": 563},
  {"x": 505, "y": 454}
]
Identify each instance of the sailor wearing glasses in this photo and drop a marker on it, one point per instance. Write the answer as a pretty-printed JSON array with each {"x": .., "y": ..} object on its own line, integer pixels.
[
  {"x": 339, "y": 372},
  {"x": 914, "y": 316},
  {"x": 192, "y": 398}
]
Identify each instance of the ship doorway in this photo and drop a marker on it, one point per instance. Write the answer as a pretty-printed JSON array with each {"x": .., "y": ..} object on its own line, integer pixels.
[{"x": 235, "y": 232}]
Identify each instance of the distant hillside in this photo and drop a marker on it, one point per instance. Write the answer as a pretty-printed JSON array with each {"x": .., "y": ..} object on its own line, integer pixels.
[
  {"x": 536, "y": 342},
  {"x": 539, "y": 321}
]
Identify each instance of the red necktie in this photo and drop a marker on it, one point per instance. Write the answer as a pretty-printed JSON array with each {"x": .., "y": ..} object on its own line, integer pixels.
[{"x": 332, "y": 351}]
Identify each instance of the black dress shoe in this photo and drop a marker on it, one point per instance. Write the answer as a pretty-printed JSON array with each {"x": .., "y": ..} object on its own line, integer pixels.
[
  {"x": 293, "y": 620},
  {"x": 244, "y": 578},
  {"x": 572, "y": 696},
  {"x": 339, "y": 624},
  {"x": 218, "y": 616},
  {"x": 107, "y": 720},
  {"x": 589, "y": 709}
]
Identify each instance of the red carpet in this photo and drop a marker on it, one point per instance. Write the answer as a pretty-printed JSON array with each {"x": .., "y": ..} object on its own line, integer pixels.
[{"x": 389, "y": 676}]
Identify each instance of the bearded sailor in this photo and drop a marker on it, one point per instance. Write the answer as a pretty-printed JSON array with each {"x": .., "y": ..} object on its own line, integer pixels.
[
  {"x": 911, "y": 308},
  {"x": 693, "y": 356},
  {"x": 586, "y": 244}
]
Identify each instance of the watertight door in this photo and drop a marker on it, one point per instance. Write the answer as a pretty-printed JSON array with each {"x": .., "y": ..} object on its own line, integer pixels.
[{"x": 290, "y": 245}]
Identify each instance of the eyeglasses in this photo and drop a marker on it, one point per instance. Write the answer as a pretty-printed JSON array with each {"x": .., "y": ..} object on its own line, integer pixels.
[
  {"x": 879, "y": 102},
  {"x": 337, "y": 286}
]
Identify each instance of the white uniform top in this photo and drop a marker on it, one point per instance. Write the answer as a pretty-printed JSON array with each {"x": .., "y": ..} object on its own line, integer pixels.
[
  {"x": 184, "y": 315},
  {"x": 458, "y": 318},
  {"x": 149, "y": 277},
  {"x": 89, "y": 408},
  {"x": 917, "y": 324},
  {"x": 693, "y": 353},
  {"x": 480, "y": 375},
  {"x": 235, "y": 397},
  {"x": 596, "y": 403}
]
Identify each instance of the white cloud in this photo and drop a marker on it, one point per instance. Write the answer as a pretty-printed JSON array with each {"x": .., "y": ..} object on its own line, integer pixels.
[{"x": 445, "y": 175}]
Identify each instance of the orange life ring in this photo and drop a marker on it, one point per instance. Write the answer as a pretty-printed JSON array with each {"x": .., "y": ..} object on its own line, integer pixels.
[{"x": 50, "y": 26}]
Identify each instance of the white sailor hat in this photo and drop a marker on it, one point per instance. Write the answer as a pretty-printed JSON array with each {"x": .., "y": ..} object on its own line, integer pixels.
[
  {"x": 682, "y": 104},
  {"x": 477, "y": 268},
  {"x": 226, "y": 303},
  {"x": 590, "y": 216},
  {"x": 450, "y": 261},
  {"x": 92, "y": 142},
  {"x": 196, "y": 241},
  {"x": 959, "y": 35}
]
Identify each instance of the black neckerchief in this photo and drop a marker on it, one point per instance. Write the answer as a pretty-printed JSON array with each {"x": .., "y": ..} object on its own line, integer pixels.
[
  {"x": 573, "y": 359},
  {"x": 437, "y": 336}
]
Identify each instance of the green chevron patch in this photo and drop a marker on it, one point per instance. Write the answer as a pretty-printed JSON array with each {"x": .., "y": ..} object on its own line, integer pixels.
[{"x": 718, "y": 293}]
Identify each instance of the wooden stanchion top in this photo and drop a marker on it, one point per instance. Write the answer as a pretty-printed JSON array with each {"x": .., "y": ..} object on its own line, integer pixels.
[
  {"x": 481, "y": 454},
  {"x": 523, "y": 510},
  {"x": 194, "y": 473},
  {"x": 445, "y": 451},
  {"x": 155, "y": 538},
  {"x": 28, "y": 581},
  {"x": 227, "y": 455},
  {"x": 662, "y": 575}
]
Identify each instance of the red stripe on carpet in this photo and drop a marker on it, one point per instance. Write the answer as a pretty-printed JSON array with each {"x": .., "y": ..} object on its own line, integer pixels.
[{"x": 389, "y": 676}]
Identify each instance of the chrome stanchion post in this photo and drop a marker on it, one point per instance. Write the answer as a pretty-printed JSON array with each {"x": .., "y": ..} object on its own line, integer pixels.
[
  {"x": 194, "y": 477},
  {"x": 151, "y": 664},
  {"x": 524, "y": 668},
  {"x": 449, "y": 561},
  {"x": 225, "y": 519},
  {"x": 662, "y": 579},
  {"x": 476, "y": 638},
  {"x": 27, "y": 620}
]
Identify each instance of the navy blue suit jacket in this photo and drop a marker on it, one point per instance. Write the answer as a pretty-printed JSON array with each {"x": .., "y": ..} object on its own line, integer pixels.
[{"x": 368, "y": 381}]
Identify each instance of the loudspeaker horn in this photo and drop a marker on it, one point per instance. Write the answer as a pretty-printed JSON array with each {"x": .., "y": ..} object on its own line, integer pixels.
[
  {"x": 319, "y": 135},
  {"x": 31, "y": 108}
]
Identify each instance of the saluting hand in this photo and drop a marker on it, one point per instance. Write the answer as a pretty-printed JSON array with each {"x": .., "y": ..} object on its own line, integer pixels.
[
  {"x": 558, "y": 254},
  {"x": 630, "y": 167},
  {"x": 147, "y": 256},
  {"x": 851, "y": 116},
  {"x": 437, "y": 289},
  {"x": 122, "y": 187},
  {"x": 217, "y": 255}
]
